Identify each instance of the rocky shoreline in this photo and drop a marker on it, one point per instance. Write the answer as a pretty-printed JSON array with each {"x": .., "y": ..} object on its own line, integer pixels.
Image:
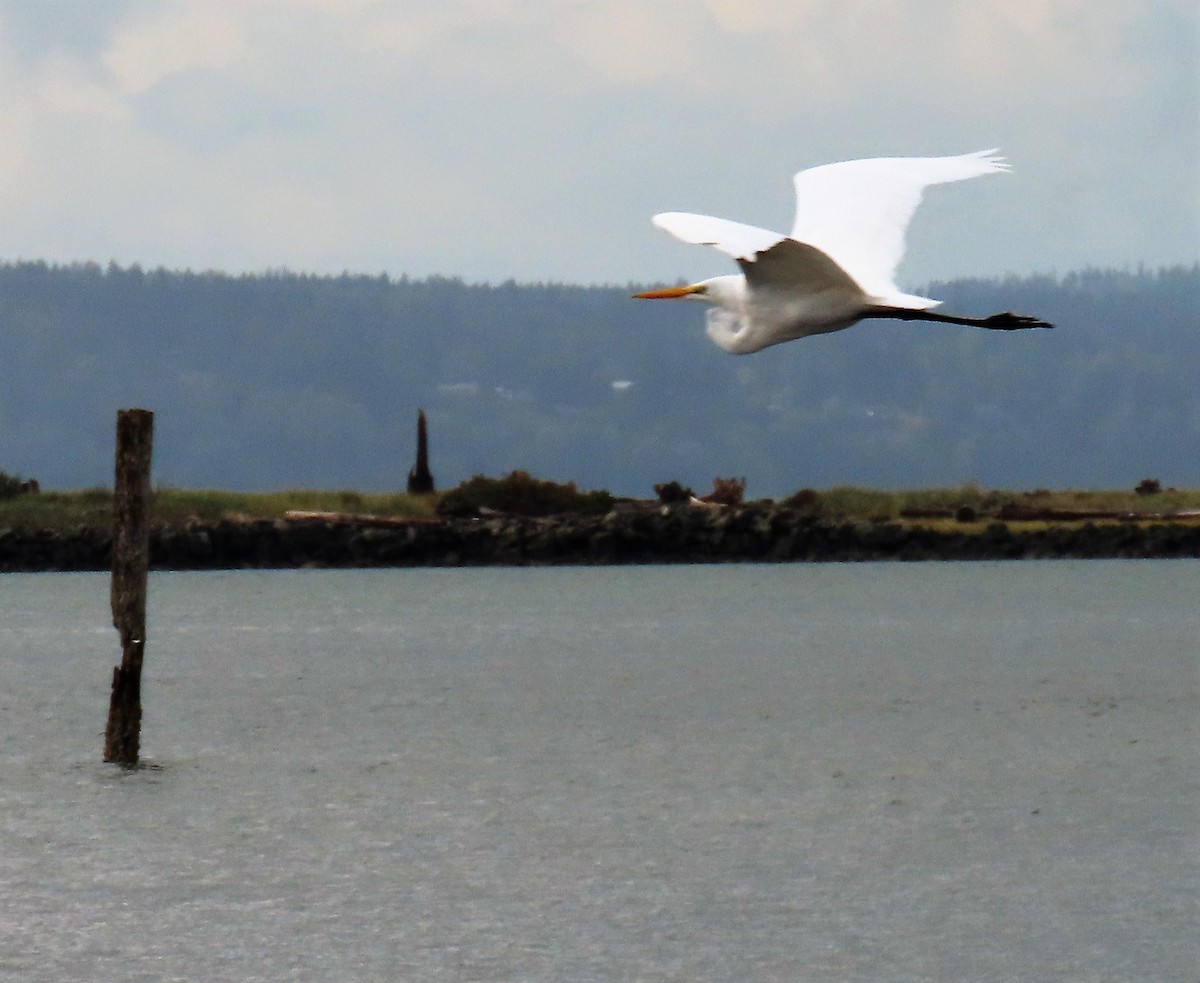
[{"x": 669, "y": 534}]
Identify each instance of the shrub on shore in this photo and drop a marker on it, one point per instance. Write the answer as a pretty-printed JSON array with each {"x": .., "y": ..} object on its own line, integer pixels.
[
  {"x": 12, "y": 485},
  {"x": 521, "y": 494}
]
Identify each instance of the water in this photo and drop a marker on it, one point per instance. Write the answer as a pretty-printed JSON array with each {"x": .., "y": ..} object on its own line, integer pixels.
[{"x": 817, "y": 772}]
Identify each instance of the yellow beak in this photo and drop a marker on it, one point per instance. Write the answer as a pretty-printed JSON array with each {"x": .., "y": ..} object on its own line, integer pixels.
[{"x": 671, "y": 293}]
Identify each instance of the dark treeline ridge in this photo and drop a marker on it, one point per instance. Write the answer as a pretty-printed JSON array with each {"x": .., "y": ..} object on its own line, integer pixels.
[{"x": 280, "y": 380}]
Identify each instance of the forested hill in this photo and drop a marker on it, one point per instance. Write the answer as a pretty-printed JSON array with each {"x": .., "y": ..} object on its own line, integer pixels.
[{"x": 282, "y": 380}]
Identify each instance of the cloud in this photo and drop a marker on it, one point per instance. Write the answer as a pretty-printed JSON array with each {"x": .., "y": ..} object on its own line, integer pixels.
[
  {"x": 175, "y": 39},
  {"x": 533, "y": 138},
  {"x": 634, "y": 44}
]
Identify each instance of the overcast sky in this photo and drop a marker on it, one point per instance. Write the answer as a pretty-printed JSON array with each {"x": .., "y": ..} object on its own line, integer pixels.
[{"x": 533, "y": 139}]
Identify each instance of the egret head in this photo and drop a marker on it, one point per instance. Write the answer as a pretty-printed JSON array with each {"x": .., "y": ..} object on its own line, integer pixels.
[
  {"x": 727, "y": 323},
  {"x": 723, "y": 291}
]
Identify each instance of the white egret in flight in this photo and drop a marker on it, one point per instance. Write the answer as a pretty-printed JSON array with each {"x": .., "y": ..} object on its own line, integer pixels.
[{"x": 838, "y": 265}]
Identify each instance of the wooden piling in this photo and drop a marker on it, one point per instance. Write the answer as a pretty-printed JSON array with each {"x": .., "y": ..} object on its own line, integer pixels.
[{"x": 130, "y": 568}]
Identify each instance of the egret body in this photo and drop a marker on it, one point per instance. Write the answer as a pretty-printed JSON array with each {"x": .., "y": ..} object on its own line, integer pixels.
[{"x": 838, "y": 265}]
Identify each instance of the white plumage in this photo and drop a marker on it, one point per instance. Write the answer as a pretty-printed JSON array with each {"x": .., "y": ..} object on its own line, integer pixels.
[{"x": 837, "y": 266}]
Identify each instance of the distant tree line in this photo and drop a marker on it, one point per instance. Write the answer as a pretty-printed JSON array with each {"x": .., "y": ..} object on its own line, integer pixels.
[{"x": 282, "y": 379}]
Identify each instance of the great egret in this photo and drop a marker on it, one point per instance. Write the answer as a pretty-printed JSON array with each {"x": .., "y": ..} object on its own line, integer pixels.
[{"x": 838, "y": 265}]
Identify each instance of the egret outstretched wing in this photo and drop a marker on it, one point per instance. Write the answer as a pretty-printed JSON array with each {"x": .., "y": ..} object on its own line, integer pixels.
[
  {"x": 777, "y": 262},
  {"x": 732, "y": 238},
  {"x": 857, "y": 211}
]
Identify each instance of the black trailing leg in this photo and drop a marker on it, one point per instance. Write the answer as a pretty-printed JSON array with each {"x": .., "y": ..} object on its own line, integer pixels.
[{"x": 1004, "y": 321}]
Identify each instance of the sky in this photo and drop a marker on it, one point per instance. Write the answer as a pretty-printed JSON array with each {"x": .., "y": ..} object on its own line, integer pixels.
[{"x": 533, "y": 139}]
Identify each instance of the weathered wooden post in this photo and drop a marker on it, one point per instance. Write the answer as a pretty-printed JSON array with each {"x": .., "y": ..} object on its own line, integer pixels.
[
  {"x": 131, "y": 564},
  {"x": 420, "y": 481}
]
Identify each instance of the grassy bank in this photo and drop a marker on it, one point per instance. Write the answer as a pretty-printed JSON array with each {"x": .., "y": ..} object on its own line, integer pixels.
[
  {"x": 93, "y": 507},
  {"x": 865, "y": 503}
]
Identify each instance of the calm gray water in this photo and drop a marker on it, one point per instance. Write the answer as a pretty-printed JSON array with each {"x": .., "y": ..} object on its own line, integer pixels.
[{"x": 886, "y": 772}]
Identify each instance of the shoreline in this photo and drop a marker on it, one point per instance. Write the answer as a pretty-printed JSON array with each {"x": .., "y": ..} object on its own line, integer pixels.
[{"x": 670, "y": 534}]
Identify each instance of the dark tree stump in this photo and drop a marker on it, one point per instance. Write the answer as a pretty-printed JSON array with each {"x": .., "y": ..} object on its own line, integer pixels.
[{"x": 130, "y": 565}]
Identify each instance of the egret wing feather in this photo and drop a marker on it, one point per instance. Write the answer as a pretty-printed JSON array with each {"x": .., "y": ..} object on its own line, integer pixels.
[
  {"x": 732, "y": 238},
  {"x": 857, "y": 211},
  {"x": 796, "y": 267}
]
